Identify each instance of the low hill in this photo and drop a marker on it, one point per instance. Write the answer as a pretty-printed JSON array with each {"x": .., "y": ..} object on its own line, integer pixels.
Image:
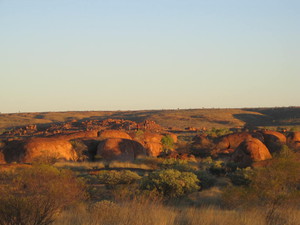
[{"x": 180, "y": 119}]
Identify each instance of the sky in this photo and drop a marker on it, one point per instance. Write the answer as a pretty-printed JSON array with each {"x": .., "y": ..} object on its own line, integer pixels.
[{"x": 65, "y": 55}]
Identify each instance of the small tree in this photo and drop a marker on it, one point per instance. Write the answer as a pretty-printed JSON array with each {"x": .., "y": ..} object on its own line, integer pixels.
[{"x": 167, "y": 143}]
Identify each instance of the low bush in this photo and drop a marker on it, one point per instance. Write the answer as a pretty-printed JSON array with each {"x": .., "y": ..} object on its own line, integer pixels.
[
  {"x": 218, "y": 168},
  {"x": 215, "y": 132},
  {"x": 36, "y": 195},
  {"x": 171, "y": 183},
  {"x": 113, "y": 177},
  {"x": 177, "y": 164},
  {"x": 167, "y": 143},
  {"x": 207, "y": 179},
  {"x": 241, "y": 176}
]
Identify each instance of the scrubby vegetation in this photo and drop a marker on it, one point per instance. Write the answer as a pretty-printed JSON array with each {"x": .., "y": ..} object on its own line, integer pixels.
[
  {"x": 174, "y": 191},
  {"x": 35, "y": 195},
  {"x": 171, "y": 183},
  {"x": 167, "y": 143}
]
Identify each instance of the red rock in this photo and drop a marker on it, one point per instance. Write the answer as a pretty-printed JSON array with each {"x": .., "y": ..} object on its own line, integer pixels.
[
  {"x": 273, "y": 140},
  {"x": 249, "y": 151},
  {"x": 120, "y": 149},
  {"x": 232, "y": 140},
  {"x": 293, "y": 140},
  {"x": 48, "y": 147},
  {"x": 153, "y": 148},
  {"x": 113, "y": 134}
]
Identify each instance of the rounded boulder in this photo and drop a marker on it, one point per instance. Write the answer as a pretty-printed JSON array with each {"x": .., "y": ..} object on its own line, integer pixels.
[
  {"x": 113, "y": 134},
  {"x": 249, "y": 151},
  {"x": 120, "y": 149}
]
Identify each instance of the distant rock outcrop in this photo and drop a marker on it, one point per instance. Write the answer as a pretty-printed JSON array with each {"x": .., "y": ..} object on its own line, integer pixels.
[
  {"x": 81, "y": 134},
  {"x": 249, "y": 151}
]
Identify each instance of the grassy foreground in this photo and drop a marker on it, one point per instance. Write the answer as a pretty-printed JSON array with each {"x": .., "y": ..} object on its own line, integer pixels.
[{"x": 137, "y": 213}]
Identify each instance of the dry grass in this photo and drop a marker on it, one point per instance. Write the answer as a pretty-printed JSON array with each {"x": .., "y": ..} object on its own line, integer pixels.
[
  {"x": 136, "y": 213},
  {"x": 80, "y": 165},
  {"x": 129, "y": 165},
  {"x": 101, "y": 165}
]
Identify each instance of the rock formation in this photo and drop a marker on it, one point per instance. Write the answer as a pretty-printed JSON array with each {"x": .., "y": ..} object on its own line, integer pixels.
[
  {"x": 293, "y": 140},
  {"x": 119, "y": 149},
  {"x": 113, "y": 134},
  {"x": 47, "y": 147},
  {"x": 273, "y": 140},
  {"x": 249, "y": 151}
]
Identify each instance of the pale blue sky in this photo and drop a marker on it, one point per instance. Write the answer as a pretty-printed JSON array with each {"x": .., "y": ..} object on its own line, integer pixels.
[{"x": 59, "y": 55}]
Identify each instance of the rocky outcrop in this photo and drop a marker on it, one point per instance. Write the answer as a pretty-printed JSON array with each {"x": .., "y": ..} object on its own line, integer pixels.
[
  {"x": 232, "y": 141},
  {"x": 113, "y": 134},
  {"x": 119, "y": 149},
  {"x": 58, "y": 148},
  {"x": 273, "y": 140},
  {"x": 151, "y": 142},
  {"x": 152, "y": 137},
  {"x": 81, "y": 134},
  {"x": 153, "y": 148},
  {"x": 249, "y": 151},
  {"x": 293, "y": 140},
  {"x": 201, "y": 146}
]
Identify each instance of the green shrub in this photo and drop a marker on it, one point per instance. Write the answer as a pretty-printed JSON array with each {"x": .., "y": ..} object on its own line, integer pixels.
[
  {"x": 215, "y": 132},
  {"x": 284, "y": 152},
  {"x": 206, "y": 163},
  {"x": 241, "y": 176},
  {"x": 139, "y": 135},
  {"x": 114, "y": 177},
  {"x": 167, "y": 143},
  {"x": 36, "y": 195},
  {"x": 177, "y": 164},
  {"x": 171, "y": 183},
  {"x": 207, "y": 179},
  {"x": 218, "y": 168}
]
